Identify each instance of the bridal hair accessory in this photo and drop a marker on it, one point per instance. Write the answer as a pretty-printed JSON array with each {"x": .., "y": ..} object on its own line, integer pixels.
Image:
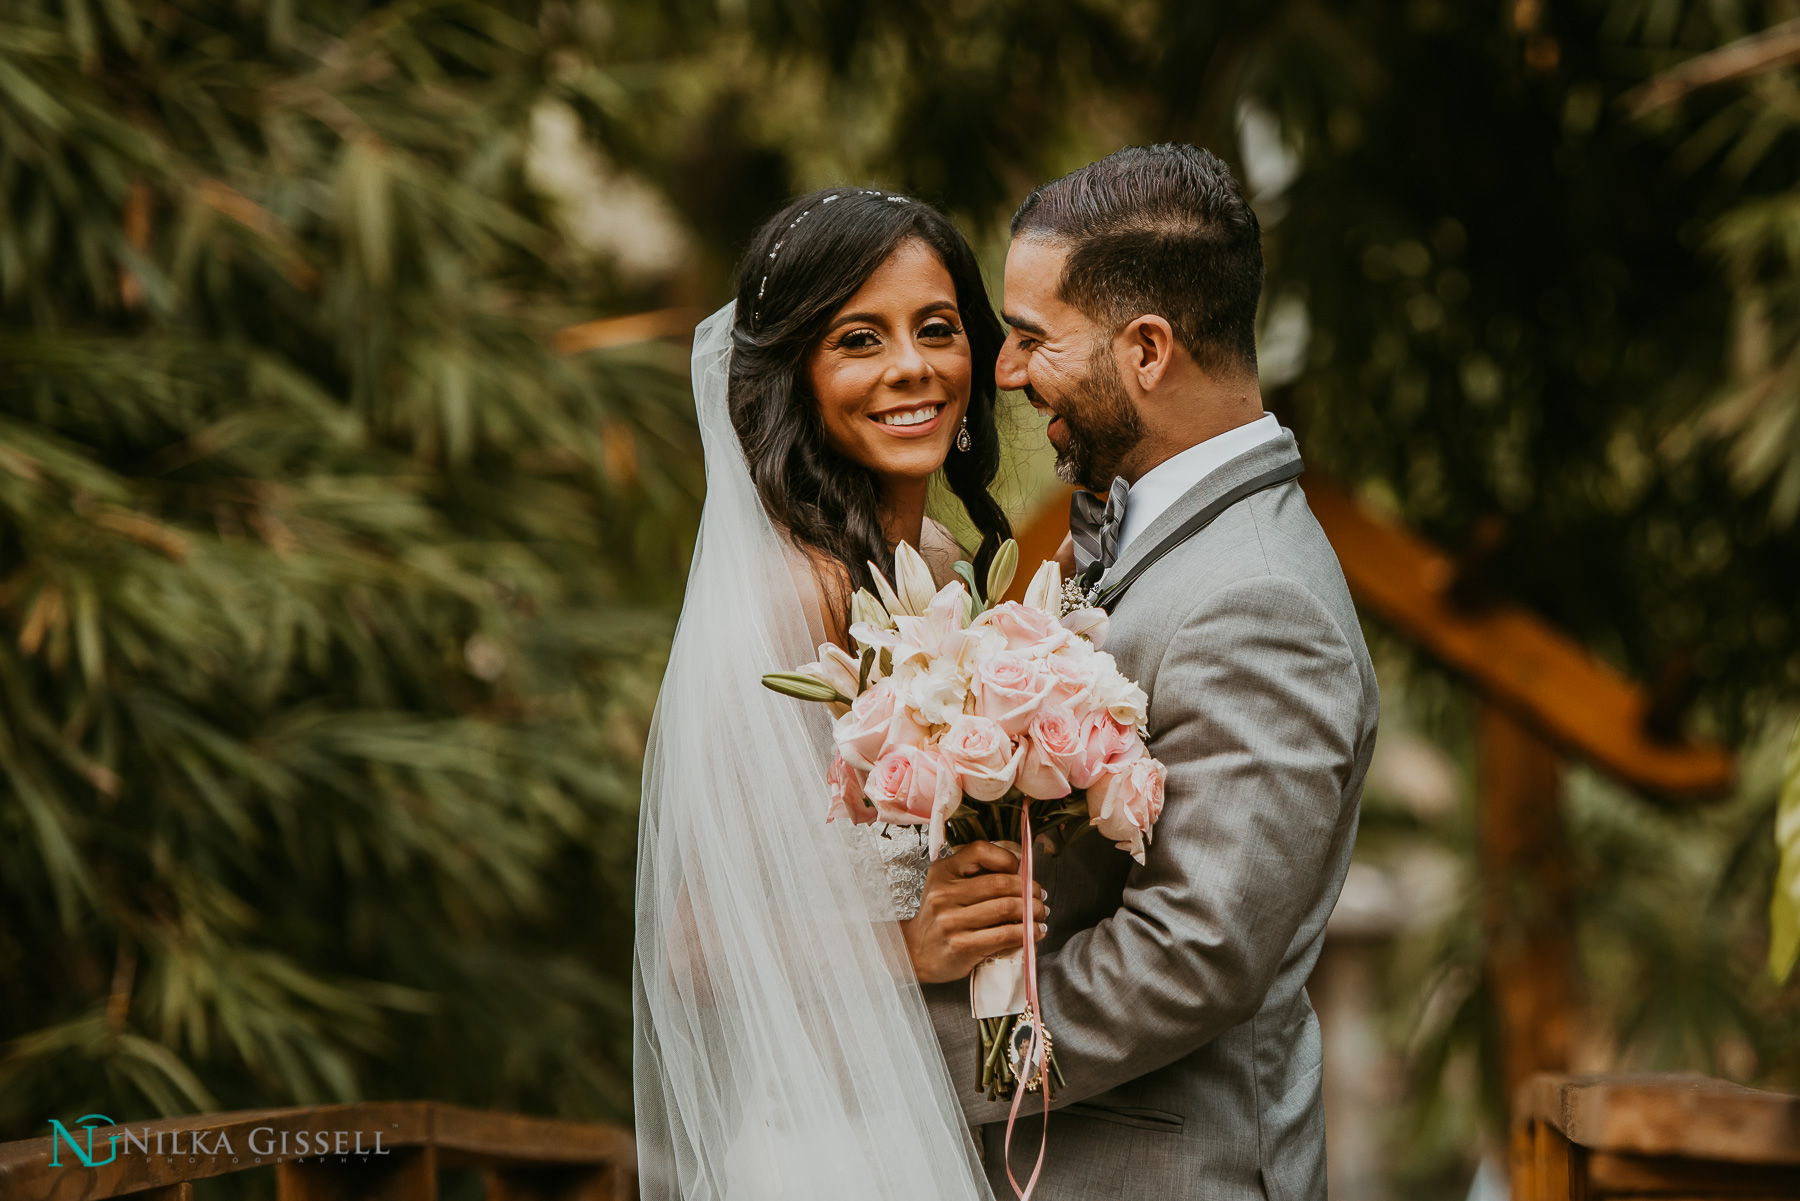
[
  {"x": 769, "y": 267},
  {"x": 963, "y": 441},
  {"x": 756, "y": 313},
  {"x": 959, "y": 713}
]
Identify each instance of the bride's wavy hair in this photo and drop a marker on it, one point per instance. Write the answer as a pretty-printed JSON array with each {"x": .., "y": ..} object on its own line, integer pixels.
[{"x": 803, "y": 265}]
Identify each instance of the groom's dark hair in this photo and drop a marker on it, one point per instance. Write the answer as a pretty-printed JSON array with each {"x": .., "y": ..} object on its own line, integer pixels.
[{"x": 1161, "y": 229}]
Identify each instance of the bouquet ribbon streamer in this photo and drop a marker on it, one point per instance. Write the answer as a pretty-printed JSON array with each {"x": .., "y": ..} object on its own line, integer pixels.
[{"x": 1036, "y": 1053}]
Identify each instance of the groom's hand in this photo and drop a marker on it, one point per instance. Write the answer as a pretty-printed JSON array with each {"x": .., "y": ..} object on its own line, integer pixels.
[{"x": 971, "y": 909}]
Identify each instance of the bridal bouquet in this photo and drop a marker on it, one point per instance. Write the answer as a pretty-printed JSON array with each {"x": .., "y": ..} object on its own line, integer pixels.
[{"x": 960, "y": 715}]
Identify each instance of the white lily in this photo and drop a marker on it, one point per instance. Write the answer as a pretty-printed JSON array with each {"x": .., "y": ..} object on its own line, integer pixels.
[
  {"x": 939, "y": 634},
  {"x": 913, "y": 579},
  {"x": 1045, "y": 593}
]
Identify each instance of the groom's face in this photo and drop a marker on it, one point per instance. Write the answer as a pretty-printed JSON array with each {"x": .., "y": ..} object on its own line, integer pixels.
[{"x": 1065, "y": 365}]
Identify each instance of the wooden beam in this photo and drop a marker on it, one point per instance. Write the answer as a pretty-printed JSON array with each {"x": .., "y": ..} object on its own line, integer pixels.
[{"x": 1576, "y": 701}]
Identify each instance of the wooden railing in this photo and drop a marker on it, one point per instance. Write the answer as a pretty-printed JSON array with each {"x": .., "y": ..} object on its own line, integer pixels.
[
  {"x": 378, "y": 1151},
  {"x": 1582, "y": 1138}
]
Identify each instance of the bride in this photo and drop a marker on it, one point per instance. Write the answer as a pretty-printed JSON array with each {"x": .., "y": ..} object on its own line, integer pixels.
[{"x": 782, "y": 1045}]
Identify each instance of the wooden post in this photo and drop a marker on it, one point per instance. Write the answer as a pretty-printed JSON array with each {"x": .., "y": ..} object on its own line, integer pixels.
[
  {"x": 1525, "y": 909},
  {"x": 409, "y": 1175}
]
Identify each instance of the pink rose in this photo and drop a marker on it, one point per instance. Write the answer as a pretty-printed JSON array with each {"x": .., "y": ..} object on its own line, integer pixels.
[
  {"x": 1026, "y": 629},
  {"x": 847, "y": 798},
  {"x": 1105, "y": 745},
  {"x": 874, "y": 726},
  {"x": 1126, "y": 801},
  {"x": 981, "y": 755},
  {"x": 913, "y": 786},
  {"x": 1008, "y": 690},
  {"x": 904, "y": 785},
  {"x": 1052, "y": 743},
  {"x": 1071, "y": 681}
]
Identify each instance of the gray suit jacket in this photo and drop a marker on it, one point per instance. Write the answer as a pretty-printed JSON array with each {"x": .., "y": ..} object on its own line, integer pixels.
[{"x": 1175, "y": 991}]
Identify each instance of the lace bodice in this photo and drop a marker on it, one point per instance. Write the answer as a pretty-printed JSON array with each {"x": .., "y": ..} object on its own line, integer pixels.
[{"x": 903, "y": 855}]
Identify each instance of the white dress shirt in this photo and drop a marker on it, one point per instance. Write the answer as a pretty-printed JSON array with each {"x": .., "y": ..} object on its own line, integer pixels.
[{"x": 1169, "y": 480}]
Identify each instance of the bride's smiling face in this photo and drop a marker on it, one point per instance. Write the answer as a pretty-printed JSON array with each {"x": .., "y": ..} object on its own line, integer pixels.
[{"x": 892, "y": 373}]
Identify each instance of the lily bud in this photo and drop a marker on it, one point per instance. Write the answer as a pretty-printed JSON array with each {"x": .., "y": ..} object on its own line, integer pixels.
[
  {"x": 1045, "y": 593},
  {"x": 886, "y": 591},
  {"x": 913, "y": 578},
  {"x": 802, "y": 687},
  {"x": 1001, "y": 571},
  {"x": 864, "y": 607}
]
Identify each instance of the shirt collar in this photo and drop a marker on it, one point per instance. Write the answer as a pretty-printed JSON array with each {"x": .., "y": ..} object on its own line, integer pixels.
[{"x": 1175, "y": 476}]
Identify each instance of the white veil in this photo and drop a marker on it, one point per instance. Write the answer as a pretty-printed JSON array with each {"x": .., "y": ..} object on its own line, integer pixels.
[{"x": 782, "y": 1046}]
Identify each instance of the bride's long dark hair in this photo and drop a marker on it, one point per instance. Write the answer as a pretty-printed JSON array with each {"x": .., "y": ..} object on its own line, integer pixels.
[{"x": 826, "y": 501}]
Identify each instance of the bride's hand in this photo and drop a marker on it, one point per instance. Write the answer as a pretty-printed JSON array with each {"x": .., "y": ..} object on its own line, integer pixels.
[{"x": 970, "y": 910}]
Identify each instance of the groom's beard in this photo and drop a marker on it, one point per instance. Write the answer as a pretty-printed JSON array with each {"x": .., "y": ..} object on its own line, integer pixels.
[{"x": 1103, "y": 425}]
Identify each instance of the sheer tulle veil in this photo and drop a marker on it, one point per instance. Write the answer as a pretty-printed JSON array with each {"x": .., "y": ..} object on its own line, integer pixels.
[{"x": 782, "y": 1045}]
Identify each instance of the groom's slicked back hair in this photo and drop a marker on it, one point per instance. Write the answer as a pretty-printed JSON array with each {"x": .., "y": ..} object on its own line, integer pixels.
[{"x": 1161, "y": 229}]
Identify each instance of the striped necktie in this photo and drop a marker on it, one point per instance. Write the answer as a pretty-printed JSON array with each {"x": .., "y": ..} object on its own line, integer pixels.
[{"x": 1095, "y": 525}]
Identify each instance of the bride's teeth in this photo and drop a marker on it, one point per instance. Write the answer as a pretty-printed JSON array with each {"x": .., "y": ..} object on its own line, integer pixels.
[{"x": 914, "y": 417}]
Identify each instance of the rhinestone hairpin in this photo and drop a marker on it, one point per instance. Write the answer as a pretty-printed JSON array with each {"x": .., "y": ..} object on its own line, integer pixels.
[{"x": 756, "y": 313}]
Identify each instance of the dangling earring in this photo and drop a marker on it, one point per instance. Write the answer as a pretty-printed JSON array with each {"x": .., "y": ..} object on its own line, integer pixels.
[{"x": 963, "y": 441}]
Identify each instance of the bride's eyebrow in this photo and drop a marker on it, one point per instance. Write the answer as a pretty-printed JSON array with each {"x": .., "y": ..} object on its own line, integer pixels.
[{"x": 855, "y": 319}]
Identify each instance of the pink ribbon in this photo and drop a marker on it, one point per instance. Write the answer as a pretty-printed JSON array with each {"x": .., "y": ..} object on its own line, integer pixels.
[{"x": 1035, "y": 1051}]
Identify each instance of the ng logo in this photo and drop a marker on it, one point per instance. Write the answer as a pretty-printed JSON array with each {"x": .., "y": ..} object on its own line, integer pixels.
[{"x": 88, "y": 1123}]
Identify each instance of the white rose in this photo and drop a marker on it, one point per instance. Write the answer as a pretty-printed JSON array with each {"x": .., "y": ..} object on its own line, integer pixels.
[
  {"x": 1118, "y": 695},
  {"x": 935, "y": 689}
]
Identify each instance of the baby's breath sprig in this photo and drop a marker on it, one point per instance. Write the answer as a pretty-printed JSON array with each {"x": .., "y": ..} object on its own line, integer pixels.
[{"x": 1073, "y": 597}]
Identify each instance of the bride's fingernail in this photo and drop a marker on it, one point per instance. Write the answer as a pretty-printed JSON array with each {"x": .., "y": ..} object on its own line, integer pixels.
[{"x": 1042, "y": 929}]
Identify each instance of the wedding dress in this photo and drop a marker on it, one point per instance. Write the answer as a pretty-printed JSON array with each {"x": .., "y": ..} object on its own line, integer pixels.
[{"x": 782, "y": 1046}]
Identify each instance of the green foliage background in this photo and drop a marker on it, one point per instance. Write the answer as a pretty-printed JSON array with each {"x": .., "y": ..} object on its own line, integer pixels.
[
  {"x": 332, "y": 635},
  {"x": 334, "y": 597}
]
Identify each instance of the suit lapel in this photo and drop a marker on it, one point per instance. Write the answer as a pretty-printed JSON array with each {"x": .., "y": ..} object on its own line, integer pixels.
[{"x": 1277, "y": 452}]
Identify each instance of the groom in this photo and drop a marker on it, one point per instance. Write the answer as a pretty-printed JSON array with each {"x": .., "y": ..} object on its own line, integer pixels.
[{"x": 1175, "y": 991}]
